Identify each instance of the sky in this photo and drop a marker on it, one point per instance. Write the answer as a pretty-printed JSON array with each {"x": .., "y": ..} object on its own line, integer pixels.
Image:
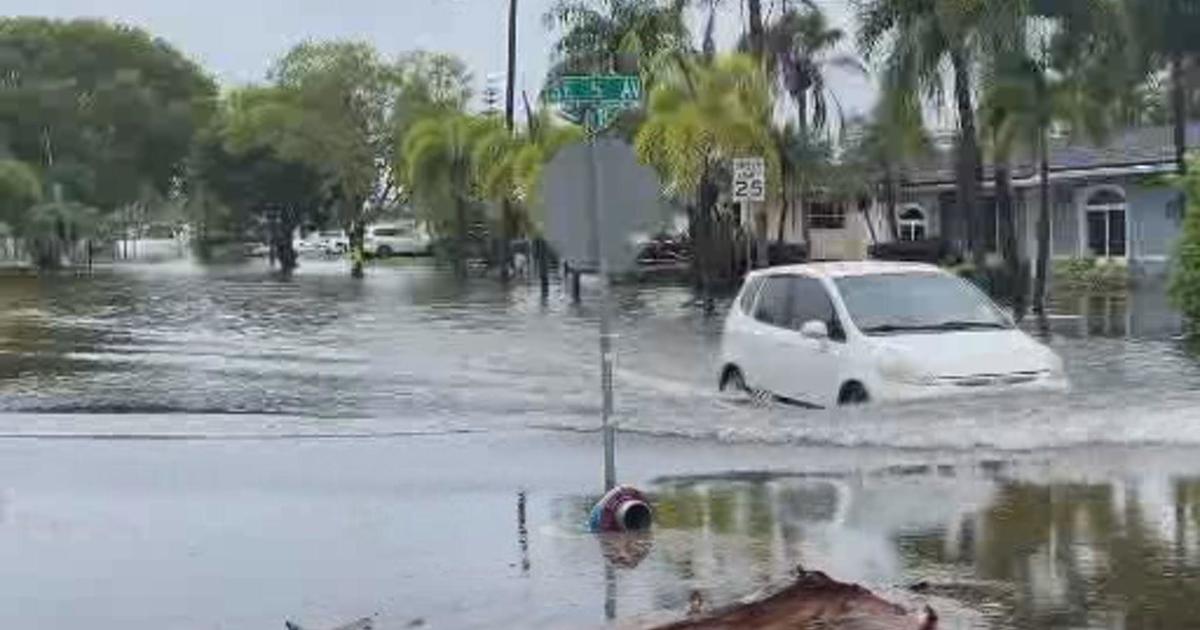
[{"x": 237, "y": 40}]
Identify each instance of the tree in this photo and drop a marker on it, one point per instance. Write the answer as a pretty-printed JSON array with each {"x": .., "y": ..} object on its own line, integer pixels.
[
  {"x": 695, "y": 124},
  {"x": 925, "y": 41},
  {"x": 260, "y": 188},
  {"x": 601, "y": 36},
  {"x": 801, "y": 50},
  {"x": 1185, "y": 271},
  {"x": 1167, "y": 32},
  {"x": 510, "y": 166},
  {"x": 439, "y": 153},
  {"x": 1031, "y": 91},
  {"x": 103, "y": 111},
  {"x": 331, "y": 108},
  {"x": 20, "y": 189},
  {"x": 894, "y": 137}
]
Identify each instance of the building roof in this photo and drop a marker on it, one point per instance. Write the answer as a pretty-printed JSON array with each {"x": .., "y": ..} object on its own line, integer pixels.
[
  {"x": 847, "y": 268},
  {"x": 1134, "y": 148}
]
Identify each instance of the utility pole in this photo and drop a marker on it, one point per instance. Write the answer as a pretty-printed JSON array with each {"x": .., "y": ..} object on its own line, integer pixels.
[
  {"x": 509, "y": 111},
  {"x": 510, "y": 91}
]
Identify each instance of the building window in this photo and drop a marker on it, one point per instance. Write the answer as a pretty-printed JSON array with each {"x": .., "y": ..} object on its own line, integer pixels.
[
  {"x": 911, "y": 222},
  {"x": 824, "y": 215},
  {"x": 1105, "y": 220}
]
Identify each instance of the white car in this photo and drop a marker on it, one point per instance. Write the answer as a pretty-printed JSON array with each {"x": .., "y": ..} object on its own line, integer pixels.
[
  {"x": 332, "y": 242},
  {"x": 383, "y": 241},
  {"x": 848, "y": 333}
]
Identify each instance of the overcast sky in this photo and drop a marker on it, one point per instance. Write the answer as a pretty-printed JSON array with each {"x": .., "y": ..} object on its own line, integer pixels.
[{"x": 238, "y": 39}]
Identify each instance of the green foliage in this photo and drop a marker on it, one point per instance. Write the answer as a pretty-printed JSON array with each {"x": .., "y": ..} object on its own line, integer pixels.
[
  {"x": 708, "y": 116},
  {"x": 615, "y": 35},
  {"x": 440, "y": 155},
  {"x": 801, "y": 48},
  {"x": 329, "y": 108},
  {"x": 509, "y": 167},
  {"x": 1185, "y": 269},
  {"x": 245, "y": 186},
  {"x": 1089, "y": 274},
  {"x": 20, "y": 190},
  {"x": 107, "y": 111}
]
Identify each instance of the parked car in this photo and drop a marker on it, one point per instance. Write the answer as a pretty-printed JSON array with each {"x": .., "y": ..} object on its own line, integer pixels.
[
  {"x": 332, "y": 242},
  {"x": 847, "y": 333},
  {"x": 383, "y": 241}
]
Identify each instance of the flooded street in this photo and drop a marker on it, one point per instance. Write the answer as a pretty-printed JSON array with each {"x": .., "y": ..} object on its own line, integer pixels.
[{"x": 319, "y": 449}]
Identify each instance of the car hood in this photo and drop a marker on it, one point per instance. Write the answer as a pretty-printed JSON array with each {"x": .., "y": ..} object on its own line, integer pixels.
[{"x": 968, "y": 353}]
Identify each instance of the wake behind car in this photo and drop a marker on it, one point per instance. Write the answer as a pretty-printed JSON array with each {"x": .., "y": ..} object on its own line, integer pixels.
[{"x": 848, "y": 333}]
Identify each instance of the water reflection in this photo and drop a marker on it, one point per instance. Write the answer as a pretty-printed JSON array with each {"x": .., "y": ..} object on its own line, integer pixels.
[
  {"x": 1142, "y": 312},
  {"x": 1122, "y": 553}
]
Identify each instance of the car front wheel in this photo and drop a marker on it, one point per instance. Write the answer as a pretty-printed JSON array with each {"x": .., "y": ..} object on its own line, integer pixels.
[
  {"x": 853, "y": 394},
  {"x": 733, "y": 381}
]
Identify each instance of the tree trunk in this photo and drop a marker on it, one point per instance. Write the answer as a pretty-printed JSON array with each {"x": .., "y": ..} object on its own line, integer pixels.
[
  {"x": 461, "y": 238},
  {"x": 785, "y": 208},
  {"x": 968, "y": 159},
  {"x": 1043, "y": 225},
  {"x": 756, "y": 28},
  {"x": 358, "y": 254},
  {"x": 864, "y": 209},
  {"x": 705, "y": 244},
  {"x": 889, "y": 186},
  {"x": 543, "y": 264},
  {"x": 505, "y": 239},
  {"x": 46, "y": 253},
  {"x": 1179, "y": 110},
  {"x": 285, "y": 251},
  {"x": 762, "y": 237},
  {"x": 1005, "y": 207}
]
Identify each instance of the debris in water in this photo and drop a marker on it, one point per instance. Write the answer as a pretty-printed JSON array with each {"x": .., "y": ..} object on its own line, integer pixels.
[
  {"x": 814, "y": 600},
  {"x": 366, "y": 623}
]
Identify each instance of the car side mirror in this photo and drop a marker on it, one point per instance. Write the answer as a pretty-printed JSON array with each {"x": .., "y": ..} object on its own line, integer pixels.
[{"x": 815, "y": 330}]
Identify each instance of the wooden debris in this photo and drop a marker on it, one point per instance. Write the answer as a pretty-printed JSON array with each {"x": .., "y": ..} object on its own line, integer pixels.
[{"x": 815, "y": 601}]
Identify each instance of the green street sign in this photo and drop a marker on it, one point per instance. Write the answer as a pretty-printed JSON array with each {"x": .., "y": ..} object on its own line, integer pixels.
[{"x": 597, "y": 89}]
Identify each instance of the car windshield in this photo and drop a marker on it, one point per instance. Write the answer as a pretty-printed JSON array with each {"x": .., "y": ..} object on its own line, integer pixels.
[{"x": 915, "y": 302}]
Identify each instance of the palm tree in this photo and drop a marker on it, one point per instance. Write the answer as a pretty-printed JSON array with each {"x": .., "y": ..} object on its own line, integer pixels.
[
  {"x": 894, "y": 137},
  {"x": 1168, "y": 33},
  {"x": 1067, "y": 66},
  {"x": 1028, "y": 98},
  {"x": 439, "y": 152},
  {"x": 508, "y": 168},
  {"x": 614, "y": 35},
  {"x": 925, "y": 41},
  {"x": 801, "y": 49},
  {"x": 696, "y": 122}
]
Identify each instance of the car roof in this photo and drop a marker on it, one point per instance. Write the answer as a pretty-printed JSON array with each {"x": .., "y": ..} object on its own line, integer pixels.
[{"x": 848, "y": 268}]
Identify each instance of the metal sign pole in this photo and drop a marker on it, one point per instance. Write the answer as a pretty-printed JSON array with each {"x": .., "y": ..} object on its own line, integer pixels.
[{"x": 595, "y": 204}]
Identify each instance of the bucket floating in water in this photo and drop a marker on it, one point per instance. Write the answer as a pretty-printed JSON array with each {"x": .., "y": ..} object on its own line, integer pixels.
[{"x": 623, "y": 509}]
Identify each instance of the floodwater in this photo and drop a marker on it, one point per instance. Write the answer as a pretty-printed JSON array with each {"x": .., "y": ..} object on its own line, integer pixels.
[{"x": 221, "y": 390}]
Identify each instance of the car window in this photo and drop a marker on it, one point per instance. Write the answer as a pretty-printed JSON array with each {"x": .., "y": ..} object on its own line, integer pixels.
[
  {"x": 749, "y": 292},
  {"x": 772, "y": 305},
  {"x": 386, "y": 232},
  {"x": 810, "y": 302},
  {"x": 915, "y": 302}
]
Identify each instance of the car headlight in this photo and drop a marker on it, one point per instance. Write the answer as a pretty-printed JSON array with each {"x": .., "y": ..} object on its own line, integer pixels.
[{"x": 898, "y": 369}]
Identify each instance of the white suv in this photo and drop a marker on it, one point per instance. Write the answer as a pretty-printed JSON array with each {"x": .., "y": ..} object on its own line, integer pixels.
[
  {"x": 848, "y": 333},
  {"x": 383, "y": 241}
]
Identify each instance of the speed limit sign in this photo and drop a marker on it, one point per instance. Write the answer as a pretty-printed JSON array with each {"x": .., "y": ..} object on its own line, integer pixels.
[{"x": 749, "y": 179}]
